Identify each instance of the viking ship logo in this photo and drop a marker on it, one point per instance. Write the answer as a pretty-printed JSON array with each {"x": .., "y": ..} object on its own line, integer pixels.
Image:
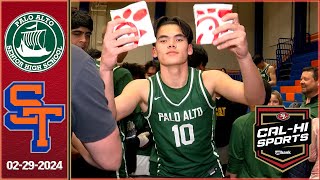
[
  {"x": 32, "y": 39},
  {"x": 34, "y": 42}
]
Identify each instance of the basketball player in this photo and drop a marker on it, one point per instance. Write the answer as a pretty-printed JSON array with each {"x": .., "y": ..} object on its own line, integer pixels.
[
  {"x": 267, "y": 71},
  {"x": 178, "y": 100}
]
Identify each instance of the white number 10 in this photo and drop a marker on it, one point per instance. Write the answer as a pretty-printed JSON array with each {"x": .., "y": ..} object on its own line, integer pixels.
[{"x": 180, "y": 135}]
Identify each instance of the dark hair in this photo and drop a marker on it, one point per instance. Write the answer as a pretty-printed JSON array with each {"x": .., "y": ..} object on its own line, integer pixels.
[
  {"x": 151, "y": 64},
  {"x": 257, "y": 59},
  {"x": 312, "y": 69},
  {"x": 198, "y": 57},
  {"x": 185, "y": 28},
  {"x": 268, "y": 89},
  {"x": 81, "y": 18},
  {"x": 94, "y": 53},
  {"x": 135, "y": 69}
]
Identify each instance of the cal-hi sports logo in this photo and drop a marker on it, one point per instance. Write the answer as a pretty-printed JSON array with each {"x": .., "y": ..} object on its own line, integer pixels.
[
  {"x": 27, "y": 111},
  {"x": 282, "y": 136},
  {"x": 34, "y": 42}
]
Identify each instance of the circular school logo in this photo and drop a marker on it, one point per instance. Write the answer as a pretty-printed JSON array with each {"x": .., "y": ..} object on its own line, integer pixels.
[{"x": 34, "y": 42}]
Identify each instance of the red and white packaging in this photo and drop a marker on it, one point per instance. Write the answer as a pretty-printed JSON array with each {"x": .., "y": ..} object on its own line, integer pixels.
[
  {"x": 207, "y": 19},
  {"x": 136, "y": 16}
]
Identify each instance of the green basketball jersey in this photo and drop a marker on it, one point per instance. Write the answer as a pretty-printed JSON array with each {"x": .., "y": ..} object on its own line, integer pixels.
[
  {"x": 264, "y": 74},
  {"x": 181, "y": 123}
]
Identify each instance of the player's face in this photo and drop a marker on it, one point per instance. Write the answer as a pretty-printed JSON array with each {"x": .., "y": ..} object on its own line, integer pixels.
[
  {"x": 260, "y": 65},
  {"x": 172, "y": 46},
  {"x": 274, "y": 101},
  {"x": 81, "y": 37},
  {"x": 308, "y": 84}
]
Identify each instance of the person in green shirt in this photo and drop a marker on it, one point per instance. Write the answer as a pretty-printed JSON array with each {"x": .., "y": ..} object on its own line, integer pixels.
[
  {"x": 267, "y": 71},
  {"x": 309, "y": 88},
  {"x": 242, "y": 160}
]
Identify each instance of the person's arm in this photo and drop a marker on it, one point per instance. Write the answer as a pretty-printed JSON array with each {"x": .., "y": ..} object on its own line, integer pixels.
[
  {"x": 74, "y": 152},
  {"x": 92, "y": 121},
  {"x": 80, "y": 149},
  {"x": 113, "y": 46},
  {"x": 252, "y": 88},
  {"x": 107, "y": 158},
  {"x": 98, "y": 132},
  {"x": 135, "y": 93},
  {"x": 93, "y": 148},
  {"x": 272, "y": 75}
]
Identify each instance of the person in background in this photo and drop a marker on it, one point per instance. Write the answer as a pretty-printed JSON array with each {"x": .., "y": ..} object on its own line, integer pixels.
[
  {"x": 226, "y": 112},
  {"x": 267, "y": 71},
  {"x": 151, "y": 68},
  {"x": 309, "y": 88},
  {"x": 128, "y": 125},
  {"x": 91, "y": 119},
  {"x": 81, "y": 29},
  {"x": 136, "y": 70},
  {"x": 142, "y": 153},
  {"x": 242, "y": 160},
  {"x": 122, "y": 77},
  {"x": 94, "y": 53},
  {"x": 276, "y": 99},
  {"x": 199, "y": 58},
  {"x": 137, "y": 138}
]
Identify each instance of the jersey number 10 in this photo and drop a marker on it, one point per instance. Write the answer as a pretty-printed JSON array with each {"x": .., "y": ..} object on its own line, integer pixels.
[{"x": 180, "y": 134}]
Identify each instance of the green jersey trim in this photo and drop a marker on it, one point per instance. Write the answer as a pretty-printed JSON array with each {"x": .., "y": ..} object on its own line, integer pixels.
[
  {"x": 186, "y": 96},
  {"x": 204, "y": 92},
  {"x": 150, "y": 99}
]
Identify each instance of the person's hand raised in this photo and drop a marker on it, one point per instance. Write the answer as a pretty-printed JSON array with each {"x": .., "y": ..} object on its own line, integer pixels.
[
  {"x": 112, "y": 45},
  {"x": 236, "y": 41}
]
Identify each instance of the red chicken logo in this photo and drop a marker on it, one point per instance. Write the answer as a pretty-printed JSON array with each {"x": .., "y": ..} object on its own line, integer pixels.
[
  {"x": 138, "y": 16},
  {"x": 208, "y": 22}
]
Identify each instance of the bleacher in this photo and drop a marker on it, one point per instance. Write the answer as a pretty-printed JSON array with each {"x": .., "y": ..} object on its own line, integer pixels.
[
  {"x": 290, "y": 88},
  {"x": 289, "y": 68}
]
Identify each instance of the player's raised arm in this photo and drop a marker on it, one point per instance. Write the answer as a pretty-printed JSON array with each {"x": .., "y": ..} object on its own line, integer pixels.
[
  {"x": 236, "y": 42},
  {"x": 111, "y": 48}
]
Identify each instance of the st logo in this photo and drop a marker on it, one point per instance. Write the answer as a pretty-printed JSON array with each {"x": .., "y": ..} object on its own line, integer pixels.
[{"x": 28, "y": 112}]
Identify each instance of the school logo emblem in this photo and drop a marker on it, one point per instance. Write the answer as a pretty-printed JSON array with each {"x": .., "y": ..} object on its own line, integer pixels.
[
  {"x": 27, "y": 111},
  {"x": 34, "y": 42},
  {"x": 282, "y": 136}
]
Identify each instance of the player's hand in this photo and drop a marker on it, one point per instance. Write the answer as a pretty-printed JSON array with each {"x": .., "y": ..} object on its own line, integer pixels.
[
  {"x": 143, "y": 137},
  {"x": 112, "y": 45},
  {"x": 235, "y": 41}
]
